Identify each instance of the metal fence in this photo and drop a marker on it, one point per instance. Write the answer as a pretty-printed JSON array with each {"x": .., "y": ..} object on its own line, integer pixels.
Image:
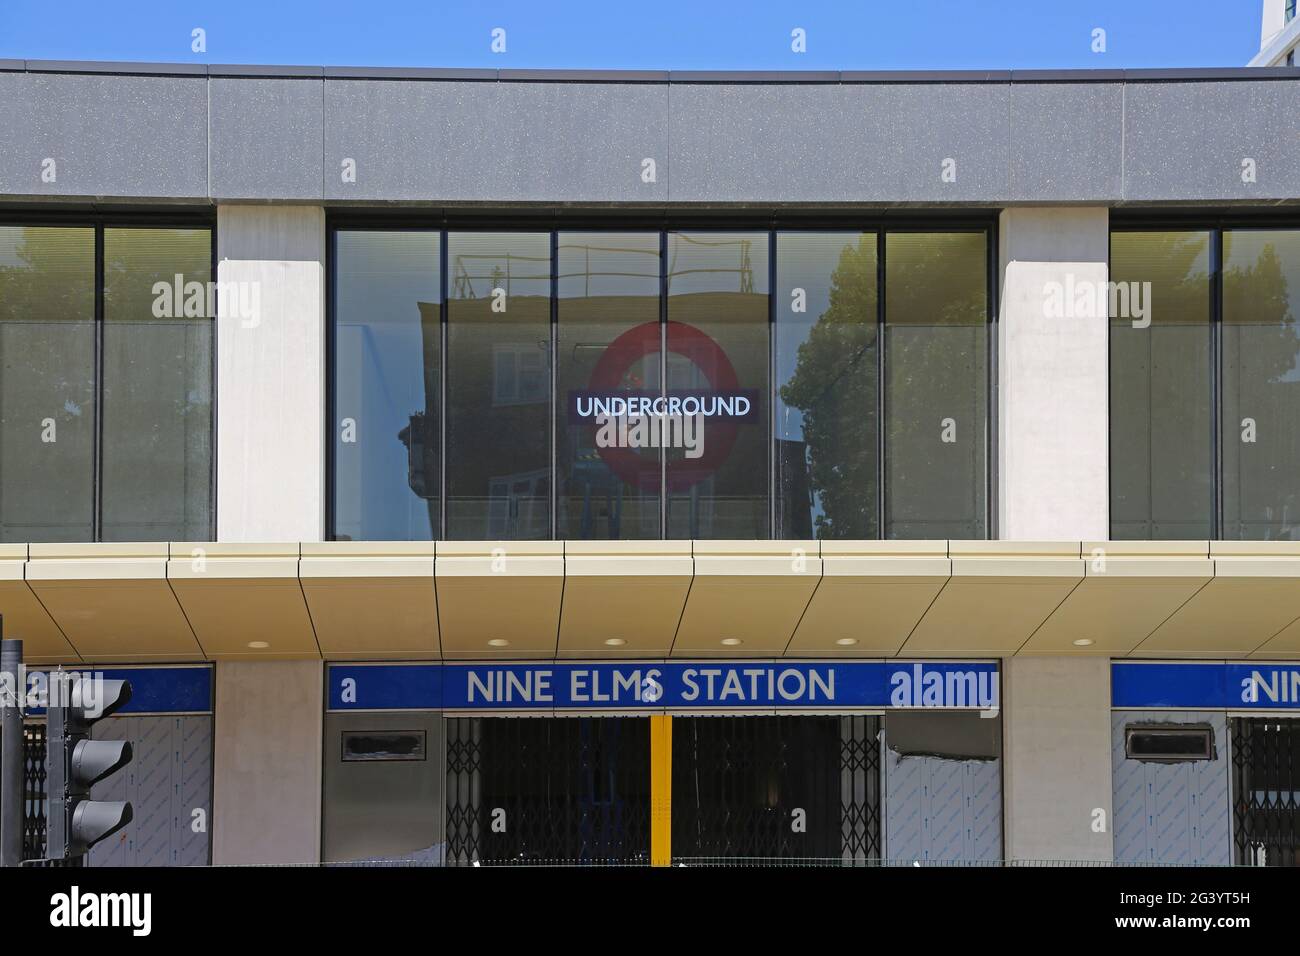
[
  {"x": 1266, "y": 791},
  {"x": 33, "y": 791}
]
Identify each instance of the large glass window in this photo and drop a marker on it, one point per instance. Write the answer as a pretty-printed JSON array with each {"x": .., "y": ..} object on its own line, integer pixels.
[
  {"x": 387, "y": 386},
  {"x": 608, "y": 458},
  {"x": 157, "y": 385},
  {"x": 621, "y": 384},
  {"x": 499, "y": 385},
  {"x": 1160, "y": 429},
  {"x": 826, "y": 427},
  {"x": 47, "y": 383},
  {"x": 1261, "y": 384},
  {"x": 1210, "y": 362},
  {"x": 106, "y": 431},
  {"x": 717, "y": 363},
  {"x": 936, "y": 385}
]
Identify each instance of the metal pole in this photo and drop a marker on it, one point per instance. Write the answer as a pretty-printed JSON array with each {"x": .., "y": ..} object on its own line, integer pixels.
[{"x": 11, "y": 752}]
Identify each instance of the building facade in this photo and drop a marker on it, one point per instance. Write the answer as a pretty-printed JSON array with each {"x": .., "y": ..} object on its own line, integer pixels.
[
  {"x": 835, "y": 467},
  {"x": 1279, "y": 34}
]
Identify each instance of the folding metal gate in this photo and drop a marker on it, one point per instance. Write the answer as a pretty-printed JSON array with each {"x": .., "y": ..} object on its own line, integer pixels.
[
  {"x": 772, "y": 788},
  {"x": 1266, "y": 790},
  {"x": 548, "y": 789},
  {"x": 34, "y": 815}
]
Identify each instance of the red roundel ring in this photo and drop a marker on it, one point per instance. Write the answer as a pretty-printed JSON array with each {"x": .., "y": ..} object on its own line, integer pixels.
[{"x": 685, "y": 340}]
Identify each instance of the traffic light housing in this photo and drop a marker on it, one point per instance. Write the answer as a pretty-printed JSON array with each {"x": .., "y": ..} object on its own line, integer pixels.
[{"x": 74, "y": 763}]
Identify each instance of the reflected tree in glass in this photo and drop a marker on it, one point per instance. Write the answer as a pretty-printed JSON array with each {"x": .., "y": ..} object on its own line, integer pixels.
[
  {"x": 1261, "y": 385},
  {"x": 1160, "y": 365},
  {"x": 936, "y": 385},
  {"x": 828, "y": 482},
  {"x": 47, "y": 383}
]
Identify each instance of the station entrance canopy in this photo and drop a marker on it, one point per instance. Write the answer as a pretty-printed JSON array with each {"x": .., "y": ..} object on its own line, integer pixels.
[{"x": 636, "y": 600}]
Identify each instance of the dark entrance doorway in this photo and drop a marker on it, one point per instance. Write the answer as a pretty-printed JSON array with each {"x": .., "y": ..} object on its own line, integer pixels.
[
  {"x": 526, "y": 790},
  {"x": 776, "y": 788},
  {"x": 1266, "y": 790}
]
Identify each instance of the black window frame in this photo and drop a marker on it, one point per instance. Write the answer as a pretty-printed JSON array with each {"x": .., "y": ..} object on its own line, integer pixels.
[
  {"x": 1215, "y": 223},
  {"x": 100, "y": 221},
  {"x": 703, "y": 222}
]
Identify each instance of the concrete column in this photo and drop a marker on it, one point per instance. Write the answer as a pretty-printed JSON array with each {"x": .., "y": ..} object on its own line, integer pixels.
[
  {"x": 1056, "y": 746},
  {"x": 266, "y": 800},
  {"x": 271, "y": 374},
  {"x": 270, "y": 487},
  {"x": 1053, "y": 467}
]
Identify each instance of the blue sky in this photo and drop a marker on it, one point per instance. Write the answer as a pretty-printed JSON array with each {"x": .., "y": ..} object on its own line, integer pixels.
[{"x": 642, "y": 34}]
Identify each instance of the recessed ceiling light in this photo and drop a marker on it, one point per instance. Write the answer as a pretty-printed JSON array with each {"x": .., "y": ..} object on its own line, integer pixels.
[
  {"x": 499, "y": 642},
  {"x": 732, "y": 641},
  {"x": 846, "y": 641},
  {"x": 616, "y": 642},
  {"x": 258, "y": 645},
  {"x": 1083, "y": 642}
]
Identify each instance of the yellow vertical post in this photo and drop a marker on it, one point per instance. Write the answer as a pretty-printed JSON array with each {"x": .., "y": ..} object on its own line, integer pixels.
[{"x": 661, "y": 790}]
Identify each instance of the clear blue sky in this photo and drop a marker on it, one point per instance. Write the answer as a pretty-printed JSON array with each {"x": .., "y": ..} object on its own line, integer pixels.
[{"x": 642, "y": 34}]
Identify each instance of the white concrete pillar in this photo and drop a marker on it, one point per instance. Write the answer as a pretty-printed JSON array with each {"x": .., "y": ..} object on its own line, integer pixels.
[
  {"x": 266, "y": 800},
  {"x": 1053, "y": 463},
  {"x": 271, "y": 374},
  {"x": 1054, "y": 485},
  {"x": 270, "y": 487},
  {"x": 1056, "y": 746}
]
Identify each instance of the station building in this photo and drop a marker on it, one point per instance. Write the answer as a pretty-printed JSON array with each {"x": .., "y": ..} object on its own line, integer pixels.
[{"x": 485, "y": 467}]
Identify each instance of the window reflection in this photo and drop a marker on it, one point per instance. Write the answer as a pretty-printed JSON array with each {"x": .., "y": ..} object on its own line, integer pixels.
[
  {"x": 827, "y": 372},
  {"x": 1261, "y": 385},
  {"x": 1160, "y": 388},
  {"x": 936, "y": 384},
  {"x": 499, "y": 386},
  {"x": 609, "y": 345},
  {"x": 157, "y": 391},
  {"x": 47, "y": 383},
  {"x": 646, "y": 428},
  {"x": 387, "y": 380},
  {"x": 717, "y": 339}
]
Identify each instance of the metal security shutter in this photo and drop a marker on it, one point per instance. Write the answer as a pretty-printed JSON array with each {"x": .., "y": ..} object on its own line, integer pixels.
[
  {"x": 548, "y": 789},
  {"x": 943, "y": 787},
  {"x": 1266, "y": 790},
  {"x": 1170, "y": 812},
  {"x": 776, "y": 788},
  {"x": 167, "y": 781},
  {"x": 34, "y": 806}
]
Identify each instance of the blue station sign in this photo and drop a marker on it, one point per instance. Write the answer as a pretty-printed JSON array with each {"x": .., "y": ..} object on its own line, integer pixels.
[
  {"x": 1209, "y": 685},
  {"x": 154, "y": 690},
  {"x": 655, "y": 686}
]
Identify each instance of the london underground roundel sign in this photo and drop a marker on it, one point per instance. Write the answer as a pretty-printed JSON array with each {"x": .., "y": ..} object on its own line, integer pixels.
[{"x": 725, "y": 405}]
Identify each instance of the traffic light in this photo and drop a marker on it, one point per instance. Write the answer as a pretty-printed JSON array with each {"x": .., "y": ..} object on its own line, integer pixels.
[{"x": 74, "y": 763}]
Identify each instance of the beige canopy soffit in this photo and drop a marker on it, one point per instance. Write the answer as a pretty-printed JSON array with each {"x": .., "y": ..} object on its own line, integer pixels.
[{"x": 483, "y": 600}]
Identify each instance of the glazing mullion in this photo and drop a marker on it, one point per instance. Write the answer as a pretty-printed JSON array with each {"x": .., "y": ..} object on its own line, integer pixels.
[
  {"x": 441, "y": 532},
  {"x": 880, "y": 384},
  {"x": 1216, "y": 383},
  {"x": 771, "y": 382},
  {"x": 554, "y": 362},
  {"x": 97, "y": 395},
  {"x": 663, "y": 377}
]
